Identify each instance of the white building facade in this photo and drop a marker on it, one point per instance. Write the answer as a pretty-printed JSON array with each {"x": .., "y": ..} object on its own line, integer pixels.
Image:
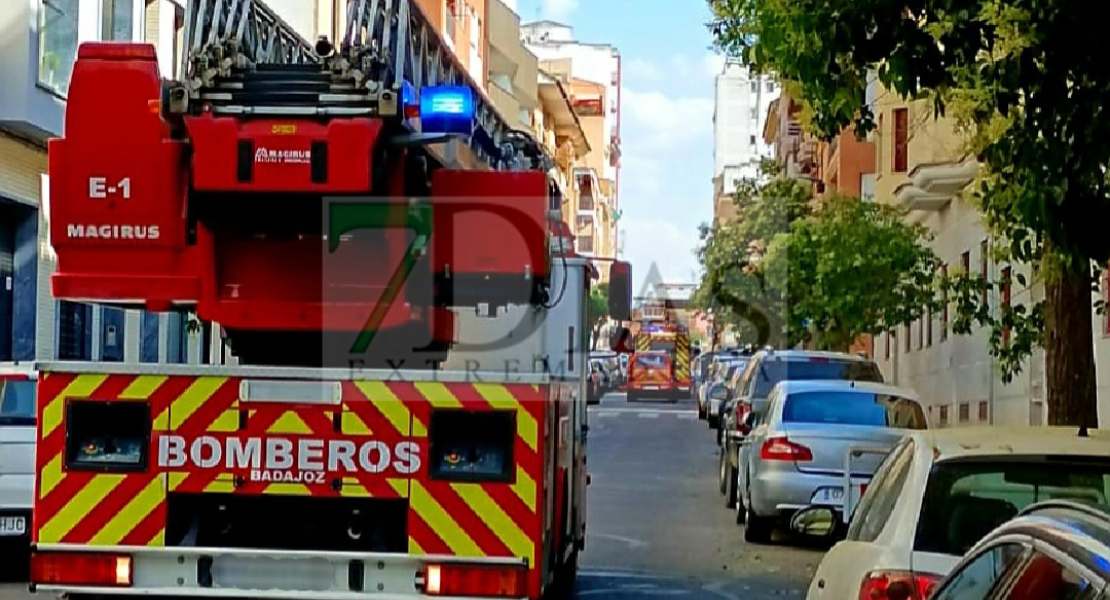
[
  {"x": 39, "y": 45},
  {"x": 596, "y": 63},
  {"x": 741, "y": 102}
]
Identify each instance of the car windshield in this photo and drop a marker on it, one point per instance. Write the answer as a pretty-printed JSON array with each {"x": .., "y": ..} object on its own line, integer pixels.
[
  {"x": 651, "y": 361},
  {"x": 17, "y": 402},
  {"x": 966, "y": 499},
  {"x": 661, "y": 345},
  {"x": 853, "y": 408},
  {"x": 772, "y": 371}
]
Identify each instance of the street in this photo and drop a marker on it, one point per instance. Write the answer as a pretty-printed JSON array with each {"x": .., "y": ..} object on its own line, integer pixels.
[{"x": 657, "y": 526}]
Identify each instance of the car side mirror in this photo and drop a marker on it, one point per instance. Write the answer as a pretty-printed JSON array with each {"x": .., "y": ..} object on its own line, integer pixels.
[
  {"x": 620, "y": 291},
  {"x": 620, "y": 340},
  {"x": 815, "y": 522}
]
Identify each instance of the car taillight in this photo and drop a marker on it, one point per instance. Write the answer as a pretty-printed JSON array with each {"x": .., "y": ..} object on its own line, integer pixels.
[
  {"x": 496, "y": 581},
  {"x": 780, "y": 448},
  {"x": 897, "y": 585},
  {"x": 81, "y": 568},
  {"x": 742, "y": 411}
]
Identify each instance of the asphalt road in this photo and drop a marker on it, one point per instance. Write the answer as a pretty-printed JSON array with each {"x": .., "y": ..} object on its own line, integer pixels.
[{"x": 657, "y": 524}]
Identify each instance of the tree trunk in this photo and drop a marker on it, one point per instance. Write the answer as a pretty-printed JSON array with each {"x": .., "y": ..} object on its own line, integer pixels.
[{"x": 1071, "y": 397}]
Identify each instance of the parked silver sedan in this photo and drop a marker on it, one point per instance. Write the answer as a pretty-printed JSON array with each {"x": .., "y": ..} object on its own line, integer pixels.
[{"x": 797, "y": 452}]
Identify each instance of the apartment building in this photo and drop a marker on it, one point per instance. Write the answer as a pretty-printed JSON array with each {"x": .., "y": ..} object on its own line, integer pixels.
[
  {"x": 741, "y": 102},
  {"x": 39, "y": 44},
  {"x": 592, "y": 72},
  {"x": 921, "y": 165}
]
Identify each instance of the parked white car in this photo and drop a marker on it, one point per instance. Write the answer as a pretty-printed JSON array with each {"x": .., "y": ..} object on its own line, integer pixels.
[
  {"x": 17, "y": 465},
  {"x": 939, "y": 492}
]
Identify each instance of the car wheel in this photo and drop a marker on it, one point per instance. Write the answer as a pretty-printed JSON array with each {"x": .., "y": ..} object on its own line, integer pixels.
[
  {"x": 757, "y": 529},
  {"x": 711, "y": 420},
  {"x": 732, "y": 497},
  {"x": 701, "y": 413},
  {"x": 741, "y": 510},
  {"x": 722, "y": 472}
]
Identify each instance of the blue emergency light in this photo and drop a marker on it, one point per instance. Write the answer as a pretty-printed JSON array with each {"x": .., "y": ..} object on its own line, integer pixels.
[{"x": 447, "y": 109}]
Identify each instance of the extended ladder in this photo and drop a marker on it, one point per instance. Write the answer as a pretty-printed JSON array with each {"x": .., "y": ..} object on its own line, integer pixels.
[{"x": 241, "y": 58}]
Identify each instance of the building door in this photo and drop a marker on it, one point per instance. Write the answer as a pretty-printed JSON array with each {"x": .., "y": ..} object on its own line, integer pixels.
[
  {"x": 8, "y": 221},
  {"x": 74, "y": 331}
]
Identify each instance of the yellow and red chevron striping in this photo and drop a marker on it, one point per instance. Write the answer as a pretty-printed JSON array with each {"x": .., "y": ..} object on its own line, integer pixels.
[{"x": 465, "y": 519}]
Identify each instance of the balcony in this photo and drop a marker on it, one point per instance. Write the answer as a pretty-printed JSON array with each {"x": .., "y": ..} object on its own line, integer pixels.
[{"x": 931, "y": 187}]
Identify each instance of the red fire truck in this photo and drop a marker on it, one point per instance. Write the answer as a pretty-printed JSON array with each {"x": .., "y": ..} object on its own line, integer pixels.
[{"x": 374, "y": 435}]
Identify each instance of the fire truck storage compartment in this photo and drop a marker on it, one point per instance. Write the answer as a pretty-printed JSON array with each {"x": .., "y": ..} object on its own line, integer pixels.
[
  {"x": 267, "y": 266},
  {"x": 472, "y": 446},
  {"x": 117, "y": 185},
  {"x": 281, "y": 522},
  {"x": 107, "y": 436},
  {"x": 489, "y": 237},
  {"x": 282, "y": 155}
]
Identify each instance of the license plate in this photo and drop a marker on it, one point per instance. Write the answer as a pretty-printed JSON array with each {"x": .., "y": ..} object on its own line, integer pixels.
[
  {"x": 828, "y": 495},
  {"x": 13, "y": 525},
  {"x": 651, "y": 387}
]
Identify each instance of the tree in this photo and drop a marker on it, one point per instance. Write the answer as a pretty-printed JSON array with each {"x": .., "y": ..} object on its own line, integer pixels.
[
  {"x": 1038, "y": 82},
  {"x": 734, "y": 286},
  {"x": 598, "y": 311},
  {"x": 852, "y": 268}
]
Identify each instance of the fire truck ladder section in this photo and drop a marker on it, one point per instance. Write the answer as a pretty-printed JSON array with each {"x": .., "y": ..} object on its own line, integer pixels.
[{"x": 243, "y": 59}]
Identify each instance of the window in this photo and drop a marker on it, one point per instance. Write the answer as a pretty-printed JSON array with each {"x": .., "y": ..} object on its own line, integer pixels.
[
  {"x": 74, "y": 331},
  {"x": 853, "y": 408},
  {"x": 984, "y": 267},
  {"x": 943, "y": 416},
  {"x": 978, "y": 577},
  {"x": 17, "y": 402},
  {"x": 984, "y": 411},
  {"x": 57, "y": 43},
  {"x": 1005, "y": 307},
  {"x": 929, "y": 327},
  {"x": 967, "y": 498},
  {"x": 965, "y": 262},
  {"x": 884, "y": 496},
  {"x": 944, "y": 304},
  {"x": 769, "y": 372},
  {"x": 755, "y": 113},
  {"x": 751, "y": 140},
  {"x": 965, "y": 412},
  {"x": 770, "y": 86},
  {"x": 755, "y": 86},
  {"x": 906, "y": 333},
  {"x": 920, "y": 333},
  {"x": 653, "y": 361},
  {"x": 901, "y": 142},
  {"x": 1042, "y": 576},
  {"x": 886, "y": 352},
  {"x": 879, "y": 133},
  {"x": 117, "y": 20}
]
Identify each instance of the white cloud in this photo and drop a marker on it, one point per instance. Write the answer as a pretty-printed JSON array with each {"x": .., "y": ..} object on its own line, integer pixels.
[
  {"x": 697, "y": 72},
  {"x": 658, "y": 119},
  {"x": 663, "y": 243},
  {"x": 558, "y": 10}
]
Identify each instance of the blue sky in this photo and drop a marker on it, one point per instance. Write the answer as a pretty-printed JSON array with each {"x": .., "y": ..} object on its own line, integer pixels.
[{"x": 667, "y": 119}]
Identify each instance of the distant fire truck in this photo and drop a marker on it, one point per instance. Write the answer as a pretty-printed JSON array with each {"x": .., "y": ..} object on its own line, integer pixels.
[
  {"x": 669, "y": 338},
  {"x": 377, "y": 437}
]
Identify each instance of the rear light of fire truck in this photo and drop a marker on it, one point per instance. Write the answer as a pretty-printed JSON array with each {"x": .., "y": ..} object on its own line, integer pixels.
[
  {"x": 81, "y": 568},
  {"x": 497, "y": 581}
]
